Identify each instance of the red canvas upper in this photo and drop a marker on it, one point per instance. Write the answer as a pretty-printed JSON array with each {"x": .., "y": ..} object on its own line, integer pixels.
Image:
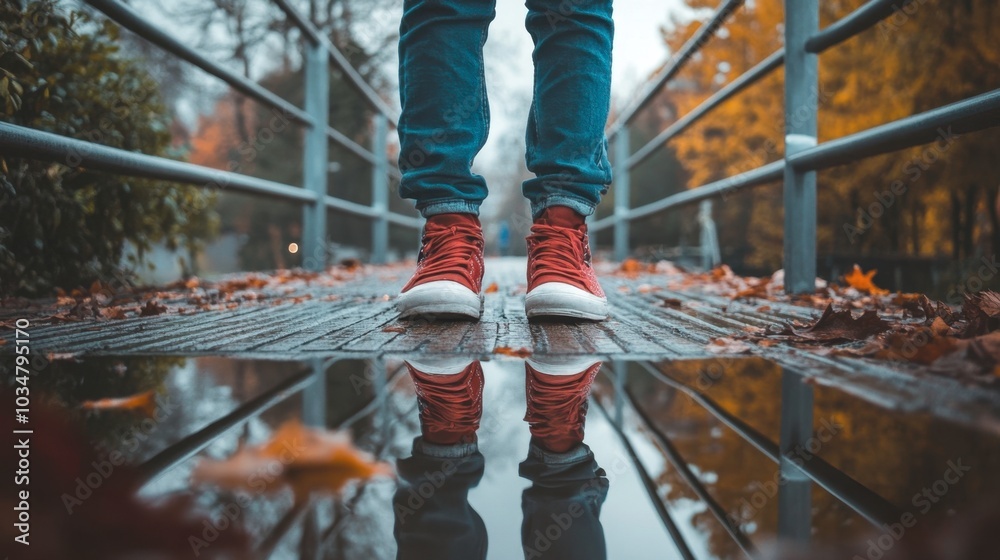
[
  {"x": 451, "y": 249},
  {"x": 557, "y": 406},
  {"x": 450, "y": 405},
  {"x": 559, "y": 251}
]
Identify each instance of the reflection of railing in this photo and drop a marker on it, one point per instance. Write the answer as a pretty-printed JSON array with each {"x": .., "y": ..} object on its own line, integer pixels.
[
  {"x": 310, "y": 382},
  {"x": 797, "y": 473},
  {"x": 319, "y": 52},
  {"x": 803, "y": 157}
]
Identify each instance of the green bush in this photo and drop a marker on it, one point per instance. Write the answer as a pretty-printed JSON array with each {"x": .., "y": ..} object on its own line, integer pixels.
[{"x": 62, "y": 225}]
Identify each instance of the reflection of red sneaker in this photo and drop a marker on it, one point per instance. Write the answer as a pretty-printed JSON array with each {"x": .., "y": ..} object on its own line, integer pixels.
[
  {"x": 449, "y": 275},
  {"x": 557, "y": 392},
  {"x": 561, "y": 281},
  {"x": 450, "y": 398}
]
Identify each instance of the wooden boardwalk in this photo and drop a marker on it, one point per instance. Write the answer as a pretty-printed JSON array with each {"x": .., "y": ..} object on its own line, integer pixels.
[{"x": 357, "y": 319}]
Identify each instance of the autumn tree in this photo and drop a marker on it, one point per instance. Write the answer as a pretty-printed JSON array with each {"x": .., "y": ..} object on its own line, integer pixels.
[{"x": 924, "y": 56}]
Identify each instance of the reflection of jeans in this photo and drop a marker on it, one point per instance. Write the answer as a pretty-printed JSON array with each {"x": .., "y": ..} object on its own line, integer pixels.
[
  {"x": 445, "y": 117},
  {"x": 563, "y": 505},
  {"x": 433, "y": 517},
  {"x": 434, "y": 520}
]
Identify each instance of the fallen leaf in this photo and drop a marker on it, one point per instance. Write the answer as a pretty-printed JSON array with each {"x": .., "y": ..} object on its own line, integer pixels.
[
  {"x": 671, "y": 302},
  {"x": 303, "y": 458},
  {"x": 142, "y": 402},
  {"x": 841, "y": 326},
  {"x": 725, "y": 345},
  {"x": 394, "y": 328},
  {"x": 508, "y": 351},
  {"x": 192, "y": 283},
  {"x": 939, "y": 327},
  {"x": 492, "y": 288},
  {"x": 152, "y": 308},
  {"x": 763, "y": 309},
  {"x": 862, "y": 281},
  {"x": 982, "y": 313},
  {"x": 921, "y": 346},
  {"x": 116, "y": 313}
]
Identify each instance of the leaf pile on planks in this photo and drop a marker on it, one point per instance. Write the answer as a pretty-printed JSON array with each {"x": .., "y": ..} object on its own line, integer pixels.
[
  {"x": 104, "y": 302},
  {"x": 858, "y": 319}
]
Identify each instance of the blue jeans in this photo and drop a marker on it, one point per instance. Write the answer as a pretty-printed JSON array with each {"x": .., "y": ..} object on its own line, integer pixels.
[{"x": 445, "y": 114}]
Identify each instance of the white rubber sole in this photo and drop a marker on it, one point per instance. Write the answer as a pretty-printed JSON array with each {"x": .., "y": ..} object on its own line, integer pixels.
[
  {"x": 440, "y": 299},
  {"x": 561, "y": 365},
  {"x": 555, "y": 299}
]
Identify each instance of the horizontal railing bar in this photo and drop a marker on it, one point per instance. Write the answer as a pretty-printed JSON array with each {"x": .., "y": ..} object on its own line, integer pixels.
[
  {"x": 652, "y": 490},
  {"x": 674, "y": 65},
  {"x": 351, "y": 145},
  {"x": 193, "y": 443},
  {"x": 748, "y": 78},
  {"x": 36, "y": 144},
  {"x": 131, "y": 20},
  {"x": 339, "y": 60},
  {"x": 405, "y": 221},
  {"x": 969, "y": 115},
  {"x": 873, "y": 507},
  {"x": 334, "y": 203},
  {"x": 674, "y": 456},
  {"x": 761, "y": 175},
  {"x": 742, "y": 429},
  {"x": 850, "y": 25}
]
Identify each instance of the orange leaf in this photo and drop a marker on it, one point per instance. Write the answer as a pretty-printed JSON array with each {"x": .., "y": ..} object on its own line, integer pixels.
[
  {"x": 303, "y": 458},
  {"x": 492, "y": 288},
  {"x": 862, "y": 281},
  {"x": 508, "y": 351},
  {"x": 142, "y": 402}
]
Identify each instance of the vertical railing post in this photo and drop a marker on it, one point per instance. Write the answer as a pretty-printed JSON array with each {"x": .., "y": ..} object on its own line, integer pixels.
[
  {"x": 314, "y": 398},
  {"x": 622, "y": 180},
  {"x": 621, "y": 380},
  {"x": 380, "y": 189},
  {"x": 709, "y": 238},
  {"x": 794, "y": 494},
  {"x": 801, "y": 104},
  {"x": 315, "y": 166}
]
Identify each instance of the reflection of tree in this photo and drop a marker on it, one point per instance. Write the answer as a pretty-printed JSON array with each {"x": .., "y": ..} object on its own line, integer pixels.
[
  {"x": 895, "y": 455},
  {"x": 67, "y": 383}
]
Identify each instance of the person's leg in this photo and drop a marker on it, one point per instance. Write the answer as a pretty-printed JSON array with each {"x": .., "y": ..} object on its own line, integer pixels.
[
  {"x": 567, "y": 152},
  {"x": 566, "y": 146},
  {"x": 443, "y": 125},
  {"x": 445, "y": 115}
]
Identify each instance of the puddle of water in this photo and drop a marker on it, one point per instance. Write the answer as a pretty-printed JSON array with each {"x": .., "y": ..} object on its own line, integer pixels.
[
  {"x": 927, "y": 468},
  {"x": 506, "y": 496},
  {"x": 189, "y": 395}
]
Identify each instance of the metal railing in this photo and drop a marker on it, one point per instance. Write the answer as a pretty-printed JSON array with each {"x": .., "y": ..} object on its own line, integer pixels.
[
  {"x": 803, "y": 157},
  {"x": 798, "y": 469},
  {"x": 312, "y": 195}
]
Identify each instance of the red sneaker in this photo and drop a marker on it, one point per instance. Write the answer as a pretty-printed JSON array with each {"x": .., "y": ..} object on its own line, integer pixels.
[
  {"x": 450, "y": 399},
  {"x": 449, "y": 275},
  {"x": 561, "y": 281},
  {"x": 557, "y": 401}
]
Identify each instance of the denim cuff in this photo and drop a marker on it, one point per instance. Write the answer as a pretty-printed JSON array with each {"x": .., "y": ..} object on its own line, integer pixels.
[
  {"x": 449, "y": 207},
  {"x": 578, "y": 205},
  {"x": 456, "y": 451},
  {"x": 581, "y": 451}
]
